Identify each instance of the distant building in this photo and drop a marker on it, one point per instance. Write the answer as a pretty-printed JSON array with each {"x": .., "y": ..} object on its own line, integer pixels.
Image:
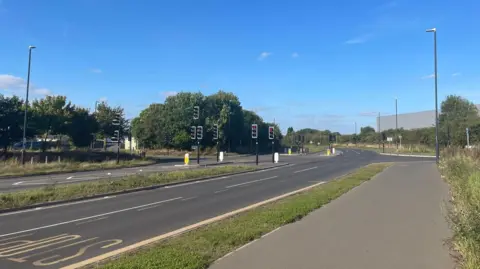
[
  {"x": 409, "y": 121},
  {"x": 132, "y": 143}
]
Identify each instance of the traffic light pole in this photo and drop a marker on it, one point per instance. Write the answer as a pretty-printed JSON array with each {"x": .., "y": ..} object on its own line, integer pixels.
[
  {"x": 198, "y": 151},
  {"x": 273, "y": 151},
  {"x": 256, "y": 150},
  {"x": 118, "y": 147},
  {"x": 217, "y": 152}
]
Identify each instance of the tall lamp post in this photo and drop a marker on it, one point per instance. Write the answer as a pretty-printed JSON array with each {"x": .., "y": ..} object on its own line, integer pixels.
[
  {"x": 437, "y": 151},
  {"x": 396, "y": 121},
  {"x": 30, "y": 48}
]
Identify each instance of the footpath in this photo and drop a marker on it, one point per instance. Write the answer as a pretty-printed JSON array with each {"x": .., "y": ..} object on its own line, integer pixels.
[{"x": 395, "y": 221}]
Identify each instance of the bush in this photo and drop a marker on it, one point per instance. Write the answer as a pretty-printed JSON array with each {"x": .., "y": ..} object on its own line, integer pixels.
[{"x": 461, "y": 169}]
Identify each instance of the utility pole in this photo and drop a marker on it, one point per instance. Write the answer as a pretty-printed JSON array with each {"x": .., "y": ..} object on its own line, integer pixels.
[
  {"x": 437, "y": 150},
  {"x": 468, "y": 137},
  {"x": 30, "y": 48},
  {"x": 396, "y": 122},
  {"x": 379, "y": 131}
]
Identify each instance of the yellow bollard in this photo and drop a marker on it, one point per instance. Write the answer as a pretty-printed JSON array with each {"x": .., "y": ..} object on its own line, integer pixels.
[
  {"x": 186, "y": 158},
  {"x": 289, "y": 151},
  {"x": 328, "y": 152}
]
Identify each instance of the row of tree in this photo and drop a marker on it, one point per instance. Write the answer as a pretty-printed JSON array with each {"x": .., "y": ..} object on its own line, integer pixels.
[
  {"x": 456, "y": 115},
  {"x": 56, "y": 116},
  {"x": 168, "y": 125}
]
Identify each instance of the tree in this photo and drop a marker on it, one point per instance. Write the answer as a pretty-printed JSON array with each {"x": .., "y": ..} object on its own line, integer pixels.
[
  {"x": 149, "y": 127},
  {"x": 50, "y": 116},
  {"x": 105, "y": 116},
  {"x": 82, "y": 126},
  {"x": 11, "y": 123},
  {"x": 457, "y": 113}
]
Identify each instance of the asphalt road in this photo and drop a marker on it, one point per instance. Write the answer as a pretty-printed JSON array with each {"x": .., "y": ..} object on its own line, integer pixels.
[
  {"x": 61, "y": 235},
  {"x": 29, "y": 182}
]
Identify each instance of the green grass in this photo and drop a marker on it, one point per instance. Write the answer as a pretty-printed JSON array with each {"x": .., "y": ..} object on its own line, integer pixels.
[
  {"x": 72, "y": 191},
  {"x": 462, "y": 171},
  {"x": 199, "y": 248},
  {"x": 14, "y": 168},
  {"x": 413, "y": 150}
]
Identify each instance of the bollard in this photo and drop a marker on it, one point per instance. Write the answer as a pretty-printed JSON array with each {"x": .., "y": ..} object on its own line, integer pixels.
[
  {"x": 31, "y": 160},
  {"x": 59, "y": 159},
  {"x": 333, "y": 151},
  {"x": 187, "y": 158},
  {"x": 46, "y": 159}
]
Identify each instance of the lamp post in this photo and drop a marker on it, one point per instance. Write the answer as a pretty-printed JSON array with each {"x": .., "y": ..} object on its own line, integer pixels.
[
  {"x": 437, "y": 151},
  {"x": 396, "y": 121},
  {"x": 30, "y": 48}
]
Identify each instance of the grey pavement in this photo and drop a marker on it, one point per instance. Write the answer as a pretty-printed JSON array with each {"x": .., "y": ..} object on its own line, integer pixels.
[{"x": 394, "y": 221}]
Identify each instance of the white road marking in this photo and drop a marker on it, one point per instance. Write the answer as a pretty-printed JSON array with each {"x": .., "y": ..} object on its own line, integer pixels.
[
  {"x": 248, "y": 182},
  {"x": 70, "y": 177},
  {"x": 17, "y": 183},
  {"x": 91, "y": 217},
  {"x": 220, "y": 191},
  {"x": 89, "y": 221},
  {"x": 146, "y": 208},
  {"x": 299, "y": 171},
  {"x": 355, "y": 151},
  {"x": 30, "y": 183},
  {"x": 189, "y": 198}
]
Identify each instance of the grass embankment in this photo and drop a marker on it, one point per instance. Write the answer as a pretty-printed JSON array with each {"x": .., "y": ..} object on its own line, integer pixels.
[
  {"x": 67, "y": 192},
  {"x": 461, "y": 170},
  {"x": 412, "y": 150},
  {"x": 199, "y": 248},
  {"x": 14, "y": 168}
]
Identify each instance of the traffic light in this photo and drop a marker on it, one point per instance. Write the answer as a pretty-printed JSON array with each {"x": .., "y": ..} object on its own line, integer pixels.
[
  {"x": 384, "y": 136},
  {"x": 271, "y": 133},
  {"x": 196, "y": 112},
  {"x": 193, "y": 132},
  {"x": 215, "y": 132},
  {"x": 303, "y": 139},
  {"x": 199, "y": 132},
  {"x": 254, "y": 131}
]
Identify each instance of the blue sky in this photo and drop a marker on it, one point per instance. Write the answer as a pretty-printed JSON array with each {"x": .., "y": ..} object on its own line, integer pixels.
[{"x": 317, "y": 64}]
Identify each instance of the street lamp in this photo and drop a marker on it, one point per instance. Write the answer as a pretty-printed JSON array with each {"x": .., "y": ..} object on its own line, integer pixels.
[
  {"x": 434, "y": 31},
  {"x": 30, "y": 48},
  {"x": 396, "y": 121}
]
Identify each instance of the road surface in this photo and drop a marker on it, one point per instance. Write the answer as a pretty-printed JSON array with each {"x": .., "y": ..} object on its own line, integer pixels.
[{"x": 61, "y": 235}]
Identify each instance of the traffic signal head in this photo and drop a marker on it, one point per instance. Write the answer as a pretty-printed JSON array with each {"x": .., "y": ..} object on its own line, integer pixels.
[
  {"x": 254, "y": 131},
  {"x": 384, "y": 136},
  {"x": 199, "y": 132},
  {"x": 215, "y": 131},
  {"x": 196, "y": 112},
  {"x": 193, "y": 132},
  {"x": 271, "y": 134}
]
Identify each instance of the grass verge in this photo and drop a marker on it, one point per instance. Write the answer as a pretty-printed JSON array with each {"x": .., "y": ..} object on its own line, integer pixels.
[
  {"x": 412, "y": 150},
  {"x": 67, "y": 192},
  {"x": 199, "y": 248},
  {"x": 15, "y": 169},
  {"x": 461, "y": 170}
]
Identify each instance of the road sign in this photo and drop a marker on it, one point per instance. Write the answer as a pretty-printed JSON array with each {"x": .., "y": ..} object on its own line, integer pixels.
[
  {"x": 254, "y": 131},
  {"x": 271, "y": 133},
  {"x": 389, "y": 139},
  {"x": 199, "y": 132}
]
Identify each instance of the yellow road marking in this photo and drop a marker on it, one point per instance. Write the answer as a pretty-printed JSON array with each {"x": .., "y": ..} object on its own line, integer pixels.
[
  {"x": 24, "y": 259},
  {"x": 39, "y": 245},
  {"x": 43, "y": 262},
  {"x": 182, "y": 230}
]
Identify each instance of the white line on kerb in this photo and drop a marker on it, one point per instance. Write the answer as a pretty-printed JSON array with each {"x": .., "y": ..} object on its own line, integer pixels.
[
  {"x": 299, "y": 171},
  {"x": 248, "y": 182},
  {"x": 91, "y": 217}
]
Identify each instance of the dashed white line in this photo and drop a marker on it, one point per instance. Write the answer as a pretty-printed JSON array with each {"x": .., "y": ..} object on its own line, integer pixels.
[
  {"x": 91, "y": 217},
  {"x": 89, "y": 221},
  {"x": 299, "y": 171},
  {"x": 220, "y": 191},
  {"x": 189, "y": 198},
  {"x": 146, "y": 208},
  {"x": 248, "y": 182},
  {"x": 70, "y": 177}
]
